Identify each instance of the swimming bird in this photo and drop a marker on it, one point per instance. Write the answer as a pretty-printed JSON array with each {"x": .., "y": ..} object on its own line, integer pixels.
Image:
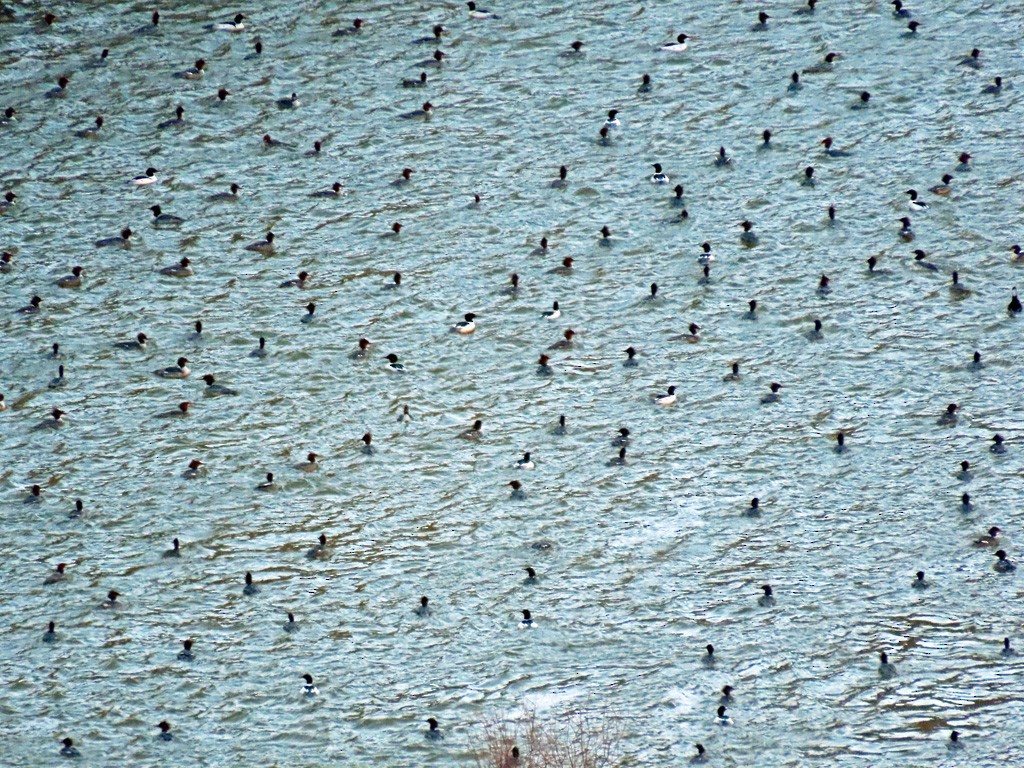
[
  {"x": 630, "y": 361},
  {"x": 474, "y": 432},
  {"x": 552, "y": 314},
  {"x": 194, "y": 72},
  {"x": 309, "y": 317},
  {"x": 175, "y": 550},
  {"x": 565, "y": 268},
  {"x": 161, "y": 219},
  {"x": 480, "y": 13},
  {"x": 658, "y": 177},
  {"x": 613, "y": 123},
  {"x": 944, "y": 188},
  {"x": 334, "y": 191},
  {"x": 678, "y": 46},
  {"x": 965, "y": 162},
  {"x": 289, "y": 102},
  {"x": 920, "y": 582},
  {"x": 705, "y": 257},
  {"x": 965, "y": 475},
  {"x": 669, "y": 398},
  {"x": 250, "y": 588},
  {"x": 566, "y": 342},
  {"x": 69, "y": 749},
  {"x": 1007, "y": 650},
  {"x": 560, "y": 428},
  {"x": 296, "y": 282},
  {"x": 831, "y": 151},
  {"x": 396, "y": 230},
  {"x": 178, "y": 371},
  {"x": 708, "y": 659},
  {"x": 997, "y": 444},
  {"x": 393, "y": 364},
  {"x": 912, "y": 29},
  {"x": 435, "y": 37},
  {"x": 176, "y": 122},
  {"x": 767, "y": 600},
  {"x": 701, "y": 756},
  {"x": 56, "y": 420},
  {"x": 816, "y": 334},
  {"x": 691, "y": 336},
  {"x": 754, "y": 510},
  {"x": 543, "y": 369},
  {"x": 949, "y": 418},
  {"x": 232, "y": 25},
  {"x": 517, "y": 493},
  {"x": 575, "y": 50},
  {"x": 269, "y": 142},
  {"x": 213, "y": 388},
  {"x": 222, "y": 95},
  {"x": 965, "y": 503},
  {"x": 320, "y": 550},
  {"x": 423, "y": 610},
  {"x": 748, "y": 237},
  {"x": 619, "y": 460},
  {"x": 57, "y": 575},
  {"x": 561, "y": 181},
  {"x": 146, "y": 179},
  {"x": 6, "y": 260},
  {"x": 436, "y": 60},
  {"x": 93, "y": 131},
  {"x": 59, "y": 92},
  {"x": 165, "y": 731},
  {"x": 722, "y": 160},
  {"x": 826, "y": 65},
  {"x": 863, "y": 101},
  {"x": 404, "y": 179},
  {"x": 58, "y": 381},
  {"x": 994, "y": 88},
  {"x": 1002, "y": 564},
  {"x": 1014, "y": 307},
  {"x": 899, "y": 11},
  {"x": 913, "y": 204},
  {"x": 268, "y": 484},
  {"x": 606, "y": 237},
  {"x": 433, "y": 732},
  {"x": 355, "y": 29},
  {"x": 840, "y": 442},
  {"x": 310, "y": 464},
  {"x": 419, "y": 82},
  {"x": 264, "y": 246},
  {"x": 423, "y": 113},
  {"x": 906, "y": 233},
  {"x": 919, "y": 260},
  {"x": 531, "y": 576},
  {"x": 180, "y": 412},
  {"x": 645, "y": 85},
  {"x": 404, "y": 417},
  {"x": 111, "y": 602},
  {"x": 886, "y": 669},
  {"x": 721, "y": 718},
  {"x": 622, "y": 439},
  {"x": 773, "y": 396},
  {"x": 261, "y": 350},
  {"x": 121, "y": 242},
  {"x": 368, "y": 448},
  {"x": 527, "y": 622},
  {"x": 467, "y": 325},
  {"x": 794, "y": 83},
  {"x": 291, "y": 625},
  {"x": 513, "y": 287},
  {"x": 957, "y": 289},
  {"x": 182, "y": 269},
  {"x": 734, "y": 375},
  {"x": 972, "y": 60}
]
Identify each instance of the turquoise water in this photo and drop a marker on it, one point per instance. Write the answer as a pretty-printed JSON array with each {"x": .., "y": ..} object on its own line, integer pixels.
[{"x": 641, "y": 565}]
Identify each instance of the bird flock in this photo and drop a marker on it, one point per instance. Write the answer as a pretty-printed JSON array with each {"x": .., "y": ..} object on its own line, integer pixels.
[{"x": 35, "y": 411}]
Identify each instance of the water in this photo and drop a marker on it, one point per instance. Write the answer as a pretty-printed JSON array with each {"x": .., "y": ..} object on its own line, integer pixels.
[{"x": 650, "y": 561}]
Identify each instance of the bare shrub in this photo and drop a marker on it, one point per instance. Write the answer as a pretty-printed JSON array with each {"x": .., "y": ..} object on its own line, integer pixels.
[{"x": 576, "y": 740}]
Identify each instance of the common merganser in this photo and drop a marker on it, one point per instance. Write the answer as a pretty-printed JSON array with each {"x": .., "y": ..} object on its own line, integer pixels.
[
  {"x": 180, "y": 412},
  {"x": 68, "y": 750},
  {"x": 667, "y": 399},
  {"x": 250, "y": 588},
  {"x": 165, "y": 731},
  {"x": 176, "y": 122},
  {"x": 823, "y": 66},
  {"x": 334, "y": 191},
  {"x": 355, "y": 29},
  {"x": 93, "y": 131},
  {"x": 919, "y": 260},
  {"x": 944, "y": 188},
  {"x": 121, "y": 242},
  {"x": 393, "y": 364},
  {"x": 182, "y": 269},
  {"x": 60, "y": 91},
  {"x": 526, "y": 462},
  {"x": 552, "y": 314},
  {"x": 433, "y": 732},
  {"x": 186, "y": 653},
  {"x": 291, "y": 625},
  {"x": 58, "y": 381},
  {"x": 423, "y": 610},
  {"x": 480, "y": 13},
  {"x": 319, "y": 550},
  {"x": 368, "y": 448},
  {"x": 620, "y": 460},
  {"x": 830, "y": 151},
  {"x": 1002, "y": 564},
  {"x": 973, "y": 60},
  {"x": 886, "y": 669},
  {"x": 419, "y": 82},
  {"x": 575, "y": 50},
  {"x": 645, "y": 84},
  {"x": 192, "y": 73},
  {"x": 216, "y": 389},
  {"x": 773, "y": 396},
  {"x": 527, "y": 622},
  {"x": 678, "y": 46},
  {"x": 308, "y": 689},
  {"x": 234, "y": 25},
  {"x": 543, "y": 369},
  {"x": 561, "y": 181},
  {"x": 748, "y": 236},
  {"x": 566, "y": 342},
  {"x": 32, "y": 308},
  {"x": 920, "y": 582},
  {"x": 111, "y": 602},
  {"x": 722, "y": 159},
  {"x": 74, "y": 280},
  {"x": 161, "y": 219},
  {"x": 734, "y": 375},
  {"x": 309, "y": 317},
  {"x": 767, "y": 600},
  {"x": 267, "y": 485},
  {"x": 517, "y": 493},
  {"x": 261, "y": 350},
  {"x": 721, "y": 718},
  {"x": 57, "y": 575},
  {"x": 613, "y": 122},
  {"x": 423, "y": 113},
  {"x": 659, "y": 177},
  {"x": 914, "y": 204},
  {"x": 149, "y": 177},
  {"x": 289, "y": 102},
  {"x": 296, "y": 282},
  {"x": 466, "y": 326},
  {"x": 264, "y": 246},
  {"x": 179, "y": 371},
  {"x": 195, "y": 470},
  {"x": 996, "y": 87},
  {"x": 762, "y": 22},
  {"x": 474, "y": 432},
  {"x": 630, "y": 361},
  {"x": 56, "y": 420},
  {"x": 310, "y": 464}
]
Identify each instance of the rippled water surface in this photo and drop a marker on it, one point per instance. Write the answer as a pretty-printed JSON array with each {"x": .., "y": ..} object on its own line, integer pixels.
[{"x": 640, "y": 565}]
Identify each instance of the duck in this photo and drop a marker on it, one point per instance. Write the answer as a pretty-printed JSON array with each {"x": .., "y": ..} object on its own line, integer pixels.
[
  {"x": 182, "y": 269},
  {"x": 176, "y": 122},
  {"x": 989, "y": 539},
  {"x": 620, "y": 460},
  {"x": 480, "y": 13},
  {"x": 816, "y": 334},
  {"x": 320, "y": 550},
  {"x": 269, "y": 142},
  {"x": 1014, "y": 307},
  {"x": 56, "y": 93},
  {"x": 186, "y": 653},
  {"x": 972, "y": 60},
  {"x": 678, "y": 46},
  {"x": 396, "y": 230},
  {"x": 826, "y": 65},
  {"x": 734, "y": 375},
  {"x": 899, "y": 11},
  {"x": 613, "y": 123},
  {"x": 178, "y": 371},
  {"x": 362, "y": 349},
  {"x": 423, "y": 113},
  {"x": 552, "y": 314},
  {"x": 1002, "y": 564},
  {"x": 74, "y": 280},
  {"x": 334, "y": 191},
  {"x": 261, "y": 349},
  {"x": 965, "y": 475},
  {"x": 722, "y": 159},
  {"x": 1007, "y": 649},
  {"x": 423, "y": 610},
  {"x": 886, "y": 669},
  {"x": 393, "y": 364},
  {"x": 543, "y": 369},
  {"x": 517, "y": 493},
  {"x": 57, "y": 575},
  {"x": 264, "y": 246},
  {"x": 531, "y": 576},
  {"x": 604, "y": 137},
  {"x": 575, "y": 50},
  {"x": 419, "y": 82},
  {"x": 433, "y": 732},
  {"x": 296, "y": 282},
  {"x": 291, "y": 625},
  {"x": 6, "y": 259},
  {"x": 565, "y": 268},
  {"x": 34, "y": 495},
  {"x": 630, "y": 361},
  {"x": 708, "y": 659},
  {"x": 148, "y": 178},
  {"x": 311, "y": 464},
  {"x": 912, "y": 29},
  {"x": 58, "y": 381},
  {"x": 659, "y": 177},
  {"x": 527, "y": 622},
  {"x": 560, "y": 428},
  {"x": 561, "y": 181},
  {"x": 701, "y": 756},
  {"x": 436, "y": 60},
  {"x": 840, "y": 446},
  {"x": 250, "y": 588},
  {"x": 645, "y": 84},
  {"x": 69, "y": 749},
  {"x": 111, "y": 602},
  {"x": 721, "y": 718},
  {"x": 467, "y": 325},
  {"x": 808, "y": 180},
  {"x": 957, "y": 289},
  {"x": 762, "y": 22},
  {"x": 748, "y": 237},
  {"x": 692, "y": 337},
  {"x": 194, "y": 72},
  {"x": 669, "y": 398},
  {"x": 566, "y": 342},
  {"x": 233, "y": 25},
  {"x": 994, "y": 88},
  {"x": 906, "y": 233},
  {"x": 56, "y": 420},
  {"x": 161, "y": 219},
  {"x": 395, "y": 284},
  {"x": 606, "y": 237},
  {"x": 404, "y": 417},
  {"x": 309, "y": 317},
  {"x": 32, "y": 308},
  {"x": 404, "y": 179},
  {"x": 121, "y": 242},
  {"x": 93, "y": 131},
  {"x": 474, "y": 432},
  {"x": 705, "y": 257},
  {"x": 863, "y": 101},
  {"x": 197, "y": 334},
  {"x": 216, "y": 389},
  {"x": 542, "y": 248},
  {"x": 355, "y": 29},
  {"x": 943, "y": 189},
  {"x": 435, "y": 37},
  {"x": 269, "y": 484},
  {"x": 794, "y": 83},
  {"x": 78, "y": 511},
  {"x": 919, "y": 260},
  {"x": 368, "y": 448},
  {"x": 165, "y": 731},
  {"x": 526, "y": 462},
  {"x": 949, "y": 418},
  {"x": 920, "y": 582},
  {"x": 677, "y": 197},
  {"x": 914, "y": 204},
  {"x": 831, "y": 151},
  {"x": 180, "y": 412},
  {"x": 773, "y": 396},
  {"x": 766, "y": 600},
  {"x": 512, "y": 289},
  {"x": 622, "y": 439},
  {"x": 289, "y": 102}
]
